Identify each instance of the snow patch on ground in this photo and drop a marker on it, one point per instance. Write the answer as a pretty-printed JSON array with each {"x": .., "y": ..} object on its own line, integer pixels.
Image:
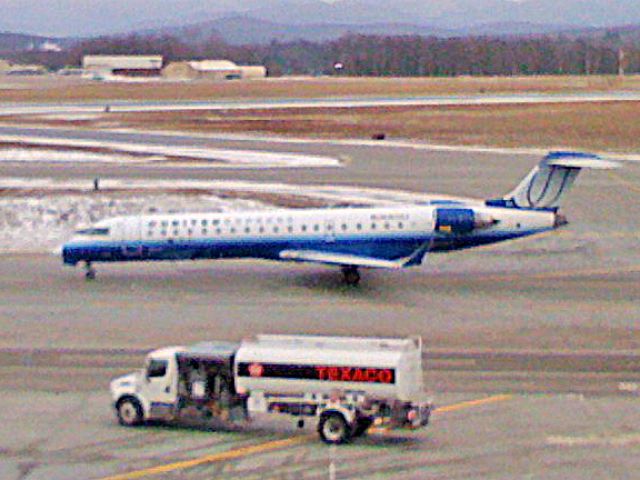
[
  {"x": 43, "y": 223},
  {"x": 71, "y": 117},
  {"x": 44, "y": 155},
  {"x": 203, "y": 156}
]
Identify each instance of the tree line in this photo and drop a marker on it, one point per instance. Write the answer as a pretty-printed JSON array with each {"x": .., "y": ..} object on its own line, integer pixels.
[{"x": 378, "y": 55}]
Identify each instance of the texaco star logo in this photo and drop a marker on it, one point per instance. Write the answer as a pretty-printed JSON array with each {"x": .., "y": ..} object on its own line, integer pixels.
[{"x": 256, "y": 370}]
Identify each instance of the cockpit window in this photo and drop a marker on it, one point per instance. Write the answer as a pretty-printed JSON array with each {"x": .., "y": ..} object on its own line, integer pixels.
[{"x": 93, "y": 231}]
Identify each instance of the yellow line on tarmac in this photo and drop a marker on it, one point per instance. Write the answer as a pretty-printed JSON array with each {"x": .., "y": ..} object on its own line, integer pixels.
[
  {"x": 472, "y": 403},
  {"x": 273, "y": 445},
  {"x": 216, "y": 457}
]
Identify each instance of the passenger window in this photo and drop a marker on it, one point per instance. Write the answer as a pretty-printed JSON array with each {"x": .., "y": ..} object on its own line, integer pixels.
[
  {"x": 232, "y": 230},
  {"x": 157, "y": 368},
  {"x": 163, "y": 233},
  {"x": 316, "y": 228},
  {"x": 344, "y": 226},
  {"x": 194, "y": 222},
  {"x": 152, "y": 223},
  {"x": 93, "y": 231},
  {"x": 204, "y": 223},
  {"x": 218, "y": 231},
  {"x": 215, "y": 222},
  {"x": 400, "y": 225},
  {"x": 175, "y": 223},
  {"x": 247, "y": 230},
  {"x": 275, "y": 229},
  {"x": 204, "y": 231},
  {"x": 303, "y": 228},
  {"x": 261, "y": 229},
  {"x": 359, "y": 226},
  {"x": 290, "y": 229},
  {"x": 165, "y": 223},
  {"x": 373, "y": 226},
  {"x": 387, "y": 226}
]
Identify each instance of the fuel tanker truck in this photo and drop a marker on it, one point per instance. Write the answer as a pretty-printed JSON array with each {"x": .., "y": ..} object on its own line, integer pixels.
[{"x": 343, "y": 384}]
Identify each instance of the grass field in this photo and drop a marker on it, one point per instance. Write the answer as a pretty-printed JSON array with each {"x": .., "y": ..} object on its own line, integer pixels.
[
  {"x": 65, "y": 89},
  {"x": 607, "y": 126}
]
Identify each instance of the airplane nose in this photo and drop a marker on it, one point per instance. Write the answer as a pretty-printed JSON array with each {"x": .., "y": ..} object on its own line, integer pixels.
[
  {"x": 559, "y": 220},
  {"x": 68, "y": 255}
]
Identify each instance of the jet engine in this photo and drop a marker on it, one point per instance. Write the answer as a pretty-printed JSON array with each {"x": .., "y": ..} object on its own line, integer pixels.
[{"x": 460, "y": 221}]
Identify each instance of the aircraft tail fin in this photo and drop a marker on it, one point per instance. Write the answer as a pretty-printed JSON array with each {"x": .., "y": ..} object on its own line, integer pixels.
[{"x": 546, "y": 185}]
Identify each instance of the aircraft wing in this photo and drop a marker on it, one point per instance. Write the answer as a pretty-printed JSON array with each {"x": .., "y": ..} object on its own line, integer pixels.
[{"x": 329, "y": 258}]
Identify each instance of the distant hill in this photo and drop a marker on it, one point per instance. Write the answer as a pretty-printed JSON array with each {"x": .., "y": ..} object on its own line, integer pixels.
[
  {"x": 623, "y": 34},
  {"x": 241, "y": 30},
  {"x": 17, "y": 42},
  {"x": 316, "y": 18}
]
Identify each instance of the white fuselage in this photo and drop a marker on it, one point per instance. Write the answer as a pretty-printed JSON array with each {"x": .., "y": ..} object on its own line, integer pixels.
[{"x": 380, "y": 233}]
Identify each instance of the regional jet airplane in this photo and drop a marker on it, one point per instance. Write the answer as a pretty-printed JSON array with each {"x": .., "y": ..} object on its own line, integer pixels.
[{"x": 349, "y": 238}]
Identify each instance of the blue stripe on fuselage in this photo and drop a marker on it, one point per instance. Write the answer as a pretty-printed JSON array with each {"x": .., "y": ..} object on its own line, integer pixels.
[{"x": 385, "y": 248}]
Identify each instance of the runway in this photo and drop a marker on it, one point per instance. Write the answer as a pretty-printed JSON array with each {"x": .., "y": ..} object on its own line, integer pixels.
[
  {"x": 119, "y": 106},
  {"x": 550, "y": 322}
]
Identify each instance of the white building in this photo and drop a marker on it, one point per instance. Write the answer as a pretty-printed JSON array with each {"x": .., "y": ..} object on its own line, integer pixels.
[
  {"x": 211, "y": 70},
  {"x": 127, "y": 65}
]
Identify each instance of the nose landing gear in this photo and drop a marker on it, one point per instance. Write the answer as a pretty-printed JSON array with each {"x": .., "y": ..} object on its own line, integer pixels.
[
  {"x": 351, "y": 275},
  {"x": 90, "y": 273}
]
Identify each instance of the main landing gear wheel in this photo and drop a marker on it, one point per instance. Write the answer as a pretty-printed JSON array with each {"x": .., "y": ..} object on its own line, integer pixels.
[
  {"x": 351, "y": 275},
  {"x": 333, "y": 429},
  {"x": 90, "y": 273}
]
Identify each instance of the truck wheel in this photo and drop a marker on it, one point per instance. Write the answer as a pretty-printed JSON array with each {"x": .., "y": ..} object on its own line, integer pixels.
[
  {"x": 333, "y": 429},
  {"x": 129, "y": 412},
  {"x": 362, "y": 426}
]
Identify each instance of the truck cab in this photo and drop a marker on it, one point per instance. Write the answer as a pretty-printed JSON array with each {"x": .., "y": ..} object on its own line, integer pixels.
[{"x": 179, "y": 383}]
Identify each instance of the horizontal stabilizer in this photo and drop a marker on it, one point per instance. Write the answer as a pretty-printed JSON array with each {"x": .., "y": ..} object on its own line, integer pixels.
[{"x": 580, "y": 160}]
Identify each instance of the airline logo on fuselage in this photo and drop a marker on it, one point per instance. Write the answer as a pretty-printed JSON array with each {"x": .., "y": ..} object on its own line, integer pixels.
[{"x": 328, "y": 373}]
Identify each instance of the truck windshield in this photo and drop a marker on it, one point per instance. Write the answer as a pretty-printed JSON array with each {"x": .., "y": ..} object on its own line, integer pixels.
[{"x": 157, "y": 368}]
